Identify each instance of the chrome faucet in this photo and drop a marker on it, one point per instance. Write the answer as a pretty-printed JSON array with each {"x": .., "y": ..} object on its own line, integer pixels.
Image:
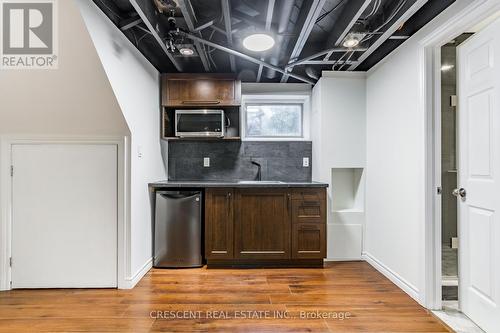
[{"x": 259, "y": 171}]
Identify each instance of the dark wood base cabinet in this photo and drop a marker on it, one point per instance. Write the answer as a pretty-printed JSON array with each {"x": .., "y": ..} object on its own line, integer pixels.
[{"x": 262, "y": 227}]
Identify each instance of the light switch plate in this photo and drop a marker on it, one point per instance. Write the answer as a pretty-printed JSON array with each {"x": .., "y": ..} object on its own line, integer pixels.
[
  {"x": 206, "y": 162},
  {"x": 454, "y": 242},
  {"x": 305, "y": 162}
]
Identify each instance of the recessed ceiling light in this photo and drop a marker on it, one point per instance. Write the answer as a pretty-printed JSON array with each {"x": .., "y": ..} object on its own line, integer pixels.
[
  {"x": 446, "y": 67},
  {"x": 258, "y": 42},
  {"x": 186, "y": 51},
  {"x": 352, "y": 40}
]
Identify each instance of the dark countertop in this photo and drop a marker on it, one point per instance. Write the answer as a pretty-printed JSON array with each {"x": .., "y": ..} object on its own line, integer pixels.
[{"x": 204, "y": 184}]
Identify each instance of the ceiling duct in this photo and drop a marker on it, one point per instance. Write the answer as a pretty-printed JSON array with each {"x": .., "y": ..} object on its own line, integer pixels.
[
  {"x": 312, "y": 72},
  {"x": 165, "y": 6},
  {"x": 286, "y": 26}
]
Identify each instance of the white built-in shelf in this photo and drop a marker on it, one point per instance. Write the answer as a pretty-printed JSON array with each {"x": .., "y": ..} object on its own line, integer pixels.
[{"x": 348, "y": 190}]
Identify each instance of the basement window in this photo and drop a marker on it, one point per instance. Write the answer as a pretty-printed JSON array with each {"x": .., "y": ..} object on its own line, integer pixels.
[{"x": 273, "y": 119}]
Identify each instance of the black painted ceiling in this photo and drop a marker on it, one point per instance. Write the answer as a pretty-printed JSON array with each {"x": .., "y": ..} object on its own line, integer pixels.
[{"x": 386, "y": 23}]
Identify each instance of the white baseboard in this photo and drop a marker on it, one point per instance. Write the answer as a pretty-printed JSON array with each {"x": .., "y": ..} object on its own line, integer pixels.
[
  {"x": 344, "y": 259},
  {"x": 393, "y": 276},
  {"x": 132, "y": 281}
]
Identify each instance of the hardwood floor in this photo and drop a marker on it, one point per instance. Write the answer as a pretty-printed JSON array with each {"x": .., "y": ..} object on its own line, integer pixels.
[{"x": 351, "y": 297}]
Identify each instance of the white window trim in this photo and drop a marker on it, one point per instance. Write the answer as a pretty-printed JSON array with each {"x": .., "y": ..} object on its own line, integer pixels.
[{"x": 305, "y": 100}]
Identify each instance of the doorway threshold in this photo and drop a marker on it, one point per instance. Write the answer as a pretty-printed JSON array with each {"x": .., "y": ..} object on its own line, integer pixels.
[{"x": 451, "y": 316}]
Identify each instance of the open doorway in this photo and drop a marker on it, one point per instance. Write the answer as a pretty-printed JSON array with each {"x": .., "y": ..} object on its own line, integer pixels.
[
  {"x": 449, "y": 220},
  {"x": 468, "y": 167}
]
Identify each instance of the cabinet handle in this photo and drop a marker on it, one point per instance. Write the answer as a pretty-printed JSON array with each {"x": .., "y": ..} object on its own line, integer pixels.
[
  {"x": 308, "y": 227},
  {"x": 228, "y": 198},
  {"x": 311, "y": 203},
  {"x": 201, "y": 102},
  {"x": 288, "y": 201}
]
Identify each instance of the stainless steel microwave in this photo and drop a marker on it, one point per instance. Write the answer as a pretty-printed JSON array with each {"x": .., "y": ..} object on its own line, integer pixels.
[{"x": 200, "y": 123}]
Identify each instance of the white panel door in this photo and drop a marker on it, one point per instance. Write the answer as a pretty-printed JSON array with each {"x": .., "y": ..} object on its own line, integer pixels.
[
  {"x": 64, "y": 216},
  {"x": 479, "y": 177}
]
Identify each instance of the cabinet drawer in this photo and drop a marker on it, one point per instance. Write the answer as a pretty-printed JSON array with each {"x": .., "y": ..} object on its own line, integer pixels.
[
  {"x": 308, "y": 211},
  {"x": 308, "y": 241},
  {"x": 309, "y": 194}
]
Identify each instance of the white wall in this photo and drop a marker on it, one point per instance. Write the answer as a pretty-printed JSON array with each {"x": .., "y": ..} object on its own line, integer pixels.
[
  {"x": 396, "y": 160},
  {"x": 338, "y": 136},
  {"x": 135, "y": 83},
  {"x": 75, "y": 100}
]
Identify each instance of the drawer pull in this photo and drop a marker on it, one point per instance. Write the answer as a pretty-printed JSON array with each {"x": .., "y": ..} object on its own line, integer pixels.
[
  {"x": 311, "y": 203},
  {"x": 308, "y": 227}
]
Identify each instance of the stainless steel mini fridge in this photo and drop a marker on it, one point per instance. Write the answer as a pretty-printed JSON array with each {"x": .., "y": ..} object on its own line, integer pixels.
[{"x": 177, "y": 229}]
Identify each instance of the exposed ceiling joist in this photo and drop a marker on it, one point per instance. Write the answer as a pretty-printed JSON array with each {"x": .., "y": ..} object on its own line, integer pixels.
[
  {"x": 319, "y": 54},
  {"x": 244, "y": 56},
  {"x": 152, "y": 30},
  {"x": 310, "y": 21},
  {"x": 349, "y": 16},
  {"x": 190, "y": 18},
  {"x": 226, "y": 12},
  {"x": 328, "y": 62},
  {"x": 390, "y": 31},
  {"x": 399, "y": 37},
  {"x": 205, "y": 25},
  {"x": 129, "y": 23},
  {"x": 269, "y": 21}
]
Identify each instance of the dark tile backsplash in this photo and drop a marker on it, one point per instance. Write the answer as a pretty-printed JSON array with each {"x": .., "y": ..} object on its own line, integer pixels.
[{"x": 231, "y": 160}]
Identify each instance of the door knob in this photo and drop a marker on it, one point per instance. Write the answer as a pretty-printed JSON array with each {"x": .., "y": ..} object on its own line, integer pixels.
[{"x": 459, "y": 192}]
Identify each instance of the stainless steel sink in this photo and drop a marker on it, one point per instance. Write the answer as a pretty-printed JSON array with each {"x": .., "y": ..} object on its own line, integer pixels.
[{"x": 260, "y": 182}]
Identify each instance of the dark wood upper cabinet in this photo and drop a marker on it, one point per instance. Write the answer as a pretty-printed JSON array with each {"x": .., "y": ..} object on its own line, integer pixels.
[
  {"x": 219, "y": 223},
  {"x": 200, "y": 90},
  {"x": 262, "y": 223}
]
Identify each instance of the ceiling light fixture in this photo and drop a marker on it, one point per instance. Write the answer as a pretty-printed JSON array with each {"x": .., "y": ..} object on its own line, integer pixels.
[
  {"x": 352, "y": 39},
  {"x": 186, "y": 51},
  {"x": 258, "y": 42}
]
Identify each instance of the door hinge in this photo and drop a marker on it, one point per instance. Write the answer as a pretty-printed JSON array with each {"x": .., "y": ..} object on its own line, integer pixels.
[
  {"x": 12, "y": 171},
  {"x": 10, "y": 261},
  {"x": 453, "y": 100},
  {"x": 439, "y": 190}
]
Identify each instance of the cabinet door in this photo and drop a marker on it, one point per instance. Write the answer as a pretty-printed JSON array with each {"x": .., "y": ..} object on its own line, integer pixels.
[
  {"x": 201, "y": 91},
  {"x": 262, "y": 224},
  {"x": 219, "y": 223},
  {"x": 308, "y": 241}
]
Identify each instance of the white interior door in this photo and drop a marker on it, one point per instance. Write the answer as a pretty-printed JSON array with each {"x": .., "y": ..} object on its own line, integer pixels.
[
  {"x": 64, "y": 216},
  {"x": 479, "y": 176}
]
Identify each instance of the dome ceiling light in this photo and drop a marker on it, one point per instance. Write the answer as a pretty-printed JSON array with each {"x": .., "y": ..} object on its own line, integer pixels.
[{"x": 258, "y": 42}]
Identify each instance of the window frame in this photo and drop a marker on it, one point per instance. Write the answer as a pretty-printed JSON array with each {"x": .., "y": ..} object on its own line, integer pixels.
[{"x": 302, "y": 100}]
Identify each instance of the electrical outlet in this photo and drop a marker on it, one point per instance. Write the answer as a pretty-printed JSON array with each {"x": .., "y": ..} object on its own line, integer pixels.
[
  {"x": 305, "y": 162},
  {"x": 206, "y": 162},
  {"x": 139, "y": 151}
]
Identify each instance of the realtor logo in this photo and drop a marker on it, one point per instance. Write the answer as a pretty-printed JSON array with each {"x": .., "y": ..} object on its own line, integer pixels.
[{"x": 28, "y": 33}]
